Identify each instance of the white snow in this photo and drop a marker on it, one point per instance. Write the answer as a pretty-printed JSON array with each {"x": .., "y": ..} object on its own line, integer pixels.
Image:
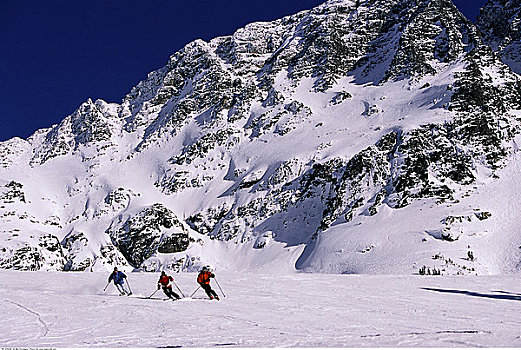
[{"x": 54, "y": 309}]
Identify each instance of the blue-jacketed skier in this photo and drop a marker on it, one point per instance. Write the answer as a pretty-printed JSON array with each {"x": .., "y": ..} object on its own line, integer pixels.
[{"x": 119, "y": 281}]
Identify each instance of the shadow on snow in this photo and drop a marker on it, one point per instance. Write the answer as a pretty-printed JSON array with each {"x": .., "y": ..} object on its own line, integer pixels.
[{"x": 502, "y": 296}]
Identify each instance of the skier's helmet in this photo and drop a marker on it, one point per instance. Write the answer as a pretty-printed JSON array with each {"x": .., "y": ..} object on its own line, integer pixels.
[
  {"x": 205, "y": 268},
  {"x": 115, "y": 269},
  {"x": 163, "y": 273}
]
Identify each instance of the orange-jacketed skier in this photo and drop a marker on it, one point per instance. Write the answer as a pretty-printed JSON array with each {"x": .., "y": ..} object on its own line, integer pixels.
[{"x": 204, "y": 281}]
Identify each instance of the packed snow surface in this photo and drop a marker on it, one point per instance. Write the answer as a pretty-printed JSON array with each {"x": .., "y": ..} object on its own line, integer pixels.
[{"x": 54, "y": 309}]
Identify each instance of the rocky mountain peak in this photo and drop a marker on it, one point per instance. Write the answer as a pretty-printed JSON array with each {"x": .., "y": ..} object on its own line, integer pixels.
[
  {"x": 276, "y": 146},
  {"x": 500, "y": 23}
]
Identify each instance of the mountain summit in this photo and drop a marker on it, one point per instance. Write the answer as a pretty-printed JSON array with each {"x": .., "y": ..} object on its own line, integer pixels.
[
  {"x": 500, "y": 23},
  {"x": 356, "y": 137}
]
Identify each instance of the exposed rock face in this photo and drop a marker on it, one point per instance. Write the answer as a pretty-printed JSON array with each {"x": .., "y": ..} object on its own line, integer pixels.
[
  {"x": 500, "y": 22},
  {"x": 115, "y": 202},
  {"x": 275, "y": 137},
  {"x": 154, "y": 229},
  {"x": 92, "y": 124},
  {"x": 44, "y": 254},
  {"x": 75, "y": 244},
  {"x": 13, "y": 193}
]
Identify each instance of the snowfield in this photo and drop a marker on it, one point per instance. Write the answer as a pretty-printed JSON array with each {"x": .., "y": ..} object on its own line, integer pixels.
[{"x": 54, "y": 309}]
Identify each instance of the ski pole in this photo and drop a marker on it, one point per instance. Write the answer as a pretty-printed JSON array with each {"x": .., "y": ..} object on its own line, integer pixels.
[
  {"x": 130, "y": 289},
  {"x": 106, "y": 286},
  {"x": 195, "y": 291},
  {"x": 153, "y": 294},
  {"x": 179, "y": 290},
  {"x": 219, "y": 287}
]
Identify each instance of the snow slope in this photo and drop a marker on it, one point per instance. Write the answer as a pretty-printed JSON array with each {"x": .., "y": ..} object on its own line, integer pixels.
[
  {"x": 52, "y": 309},
  {"x": 404, "y": 240}
]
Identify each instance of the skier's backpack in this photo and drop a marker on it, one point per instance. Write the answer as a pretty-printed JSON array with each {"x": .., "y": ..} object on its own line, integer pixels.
[{"x": 203, "y": 277}]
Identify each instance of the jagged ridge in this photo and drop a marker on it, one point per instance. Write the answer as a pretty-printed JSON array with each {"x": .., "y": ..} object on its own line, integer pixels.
[{"x": 270, "y": 137}]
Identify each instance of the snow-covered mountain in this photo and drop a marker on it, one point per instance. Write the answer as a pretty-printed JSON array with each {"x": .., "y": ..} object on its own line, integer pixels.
[
  {"x": 500, "y": 22},
  {"x": 376, "y": 136}
]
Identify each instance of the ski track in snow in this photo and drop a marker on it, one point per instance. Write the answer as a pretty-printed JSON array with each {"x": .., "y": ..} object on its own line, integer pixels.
[
  {"x": 259, "y": 310},
  {"x": 32, "y": 312}
]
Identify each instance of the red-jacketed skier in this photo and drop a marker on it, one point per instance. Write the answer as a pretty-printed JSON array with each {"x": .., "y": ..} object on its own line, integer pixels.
[
  {"x": 204, "y": 281},
  {"x": 166, "y": 282}
]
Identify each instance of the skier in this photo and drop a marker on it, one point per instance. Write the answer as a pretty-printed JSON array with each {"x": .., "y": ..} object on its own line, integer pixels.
[
  {"x": 204, "y": 281},
  {"x": 119, "y": 282},
  {"x": 166, "y": 281}
]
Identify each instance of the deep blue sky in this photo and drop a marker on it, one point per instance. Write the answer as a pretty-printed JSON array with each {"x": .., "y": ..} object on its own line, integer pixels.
[{"x": 56, "y": 54}]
